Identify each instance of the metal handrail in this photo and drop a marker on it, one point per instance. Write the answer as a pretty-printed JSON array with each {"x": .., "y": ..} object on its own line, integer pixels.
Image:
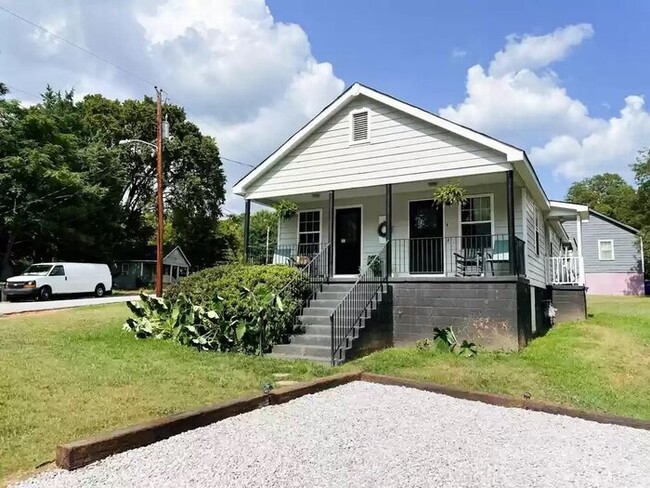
[
  {"x": 317, "y": 273},
  {"x": 354, "y": 304}
]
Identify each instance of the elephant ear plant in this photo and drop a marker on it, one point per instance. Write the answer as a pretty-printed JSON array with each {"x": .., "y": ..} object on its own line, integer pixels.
[{"x": 445, "y": 340}]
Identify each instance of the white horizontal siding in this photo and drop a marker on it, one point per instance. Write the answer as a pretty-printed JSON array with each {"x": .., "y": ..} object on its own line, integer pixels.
[
  {"x": 402, "y": 148},
  {"x": 535, "y": 263},
  {"x": 374, "y": 207}
]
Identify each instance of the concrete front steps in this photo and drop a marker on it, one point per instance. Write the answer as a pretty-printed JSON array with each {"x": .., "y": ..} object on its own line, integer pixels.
[{"x": 316, "y": 342}]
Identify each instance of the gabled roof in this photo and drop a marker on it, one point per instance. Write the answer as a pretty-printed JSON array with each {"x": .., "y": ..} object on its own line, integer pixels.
[
  {"x": 512, "y": 153},
  {"x": 150, "y": 253},
  {"x": 613, "y": 221}
]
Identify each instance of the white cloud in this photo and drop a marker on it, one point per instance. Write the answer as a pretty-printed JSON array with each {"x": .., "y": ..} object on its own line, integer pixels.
[
  {"x": 458, "y": 53},
  {"x": 521, "y": 100},
  {"x": 609, "y": 148},
  {"x": 532, "y": 52},
  {"x": 245, "y": 78}
]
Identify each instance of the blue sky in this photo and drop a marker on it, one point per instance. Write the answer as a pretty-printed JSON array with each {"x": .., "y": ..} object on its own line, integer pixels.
[
  {"x": 420, "y": 51},
  {"x": 564, "y": 80},
  {"x": 405, "y": 48}
]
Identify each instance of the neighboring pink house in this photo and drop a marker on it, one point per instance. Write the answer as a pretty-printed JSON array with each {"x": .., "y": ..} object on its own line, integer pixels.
[{"x": 613, "y": 255}]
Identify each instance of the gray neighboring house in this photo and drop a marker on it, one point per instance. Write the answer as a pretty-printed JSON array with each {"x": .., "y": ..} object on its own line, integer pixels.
[
  {"x": 613, "y": 255},
  {"x": 138, "y": 273}
]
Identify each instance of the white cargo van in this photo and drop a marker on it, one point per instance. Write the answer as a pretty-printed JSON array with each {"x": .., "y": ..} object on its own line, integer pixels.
[{"x": 43, "y": 280}]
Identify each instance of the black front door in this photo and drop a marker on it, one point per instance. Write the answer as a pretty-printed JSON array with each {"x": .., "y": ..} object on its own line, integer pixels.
[
  {"x": 425, "y": 234},
  {"x": 348, "y": 241}
]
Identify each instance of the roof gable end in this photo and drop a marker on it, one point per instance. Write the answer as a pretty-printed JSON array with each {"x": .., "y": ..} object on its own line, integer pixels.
[{"x": 511, "y": 153}]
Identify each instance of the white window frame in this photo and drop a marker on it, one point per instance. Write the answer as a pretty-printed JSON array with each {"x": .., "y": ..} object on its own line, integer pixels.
[
  {"x": 352, "y": 113},
  {"x": 600, "y": 254},
  {"x": 320, "y": 225},
  {"x": 460, "y": 213},
  {"x": 122, "y": 272}
]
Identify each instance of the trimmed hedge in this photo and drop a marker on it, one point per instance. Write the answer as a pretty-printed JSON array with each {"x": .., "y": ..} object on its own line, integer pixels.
[{"x": 203, "y": 287}]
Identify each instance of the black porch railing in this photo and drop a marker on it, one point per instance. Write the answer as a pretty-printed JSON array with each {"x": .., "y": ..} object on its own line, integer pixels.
[
  {"x": 482, "y": 255},
  {"x": 314, "y": 274},
  {"x": 354, "y": 305},
  {"x": 292, "y": 255}
]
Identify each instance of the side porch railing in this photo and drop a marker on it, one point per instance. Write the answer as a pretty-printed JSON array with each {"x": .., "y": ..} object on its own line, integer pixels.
[
  {"x": 349, "y": 312},
  {"x": 565, "y": 270}
]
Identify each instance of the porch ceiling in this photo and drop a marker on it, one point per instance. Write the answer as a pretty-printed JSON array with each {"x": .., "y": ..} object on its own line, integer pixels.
[{"x": 419, "y": 186}]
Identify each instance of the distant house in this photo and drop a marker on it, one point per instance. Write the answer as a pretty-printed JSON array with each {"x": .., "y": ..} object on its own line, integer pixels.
[
  {"x": 139, "y": 273},
  {"x": 613, "y": 256}
]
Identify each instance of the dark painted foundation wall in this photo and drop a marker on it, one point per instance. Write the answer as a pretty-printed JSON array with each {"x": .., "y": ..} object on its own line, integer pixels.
[{"x": 495, "y": 313}]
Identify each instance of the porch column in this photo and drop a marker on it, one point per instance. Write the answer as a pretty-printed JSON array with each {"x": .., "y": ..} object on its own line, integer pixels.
[
  {"x": 510, "y": 202},
  {"x": 247, "y": 221},
  {"x": 389, "y": 229},
  {"x": 581, "y": 267},
  {"x": 330, "y": 236}
]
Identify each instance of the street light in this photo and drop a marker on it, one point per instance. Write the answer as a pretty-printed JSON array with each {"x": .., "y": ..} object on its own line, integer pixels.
[
  {"x": 137, "y": 141},
  {"x": 162, "y": 132}
]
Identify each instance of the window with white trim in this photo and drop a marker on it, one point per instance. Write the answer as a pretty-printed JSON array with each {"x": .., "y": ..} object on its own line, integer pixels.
[
  {"x": 125, "y": 269},
  {"x": 476, "y": 221},
  {"x": 606, "y": 250},
  {"x": 308, "y": 231},
  {"x": 360, "y": 126}
]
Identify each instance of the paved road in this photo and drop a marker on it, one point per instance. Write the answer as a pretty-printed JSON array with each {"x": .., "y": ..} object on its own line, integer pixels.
[{"x": 17, "y": 307}]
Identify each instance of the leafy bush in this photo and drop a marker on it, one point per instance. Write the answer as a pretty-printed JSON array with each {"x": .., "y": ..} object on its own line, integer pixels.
[
  {"x": 254, "y": 308},
  {"x": 217, "y": 329},
  {"x": 204, "y": 287}
]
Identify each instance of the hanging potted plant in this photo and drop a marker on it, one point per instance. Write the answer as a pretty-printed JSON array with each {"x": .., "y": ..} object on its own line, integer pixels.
[
  {"x": 449, "y": 194},
  {"x": 286, "y": 210}
]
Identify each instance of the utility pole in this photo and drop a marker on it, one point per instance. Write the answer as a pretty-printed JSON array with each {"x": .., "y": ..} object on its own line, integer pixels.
[{"x": 159, "y": 235}]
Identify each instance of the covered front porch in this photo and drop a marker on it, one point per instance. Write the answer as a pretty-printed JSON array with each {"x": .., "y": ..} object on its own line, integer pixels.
[{"x": 399, "y": 228}]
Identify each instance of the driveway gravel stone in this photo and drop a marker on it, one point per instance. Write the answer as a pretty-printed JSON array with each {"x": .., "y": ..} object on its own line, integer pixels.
[{"x": 369, "y": 435}]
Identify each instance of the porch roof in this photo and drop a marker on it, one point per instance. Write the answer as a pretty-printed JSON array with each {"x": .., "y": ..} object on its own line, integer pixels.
[{"x": 564, "y": 211}]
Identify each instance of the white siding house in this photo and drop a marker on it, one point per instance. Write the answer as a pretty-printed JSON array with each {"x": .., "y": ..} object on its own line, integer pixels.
[{"x": 363, "y": 173}]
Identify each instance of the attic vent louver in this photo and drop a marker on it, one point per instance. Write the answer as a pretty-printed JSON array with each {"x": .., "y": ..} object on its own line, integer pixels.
[{"x": 360, "y": 126}]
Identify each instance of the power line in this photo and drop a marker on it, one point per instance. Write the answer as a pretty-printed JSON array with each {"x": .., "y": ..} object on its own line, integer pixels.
[
  {"x": 15, "y": 89},
  {"x": 83, "y": 49},
  {"x": 237, "y": 162}
]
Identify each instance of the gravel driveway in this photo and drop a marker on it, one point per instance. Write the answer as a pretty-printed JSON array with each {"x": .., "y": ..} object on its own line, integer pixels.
[{"x": 371, "y": 435}]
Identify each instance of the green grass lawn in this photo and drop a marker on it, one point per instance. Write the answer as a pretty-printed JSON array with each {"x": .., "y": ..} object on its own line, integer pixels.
[
  {"x": 68, "y": 374},
  {"x": 602, "y": 364}
]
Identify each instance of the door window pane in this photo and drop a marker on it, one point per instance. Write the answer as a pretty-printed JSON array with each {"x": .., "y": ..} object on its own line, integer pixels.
[{"x": 58, "y": 271}]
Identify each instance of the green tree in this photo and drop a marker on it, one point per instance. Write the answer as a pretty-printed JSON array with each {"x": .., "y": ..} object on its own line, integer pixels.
[
  {"x": 641, "y": 170},
  {"x": 608, "y": 193},
  {"x": 69, "y": 191}
]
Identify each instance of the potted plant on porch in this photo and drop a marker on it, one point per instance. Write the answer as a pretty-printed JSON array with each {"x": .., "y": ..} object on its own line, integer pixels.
[
  {"x": 286, "y": 210},
  {"x": 449, "y": 194}
]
